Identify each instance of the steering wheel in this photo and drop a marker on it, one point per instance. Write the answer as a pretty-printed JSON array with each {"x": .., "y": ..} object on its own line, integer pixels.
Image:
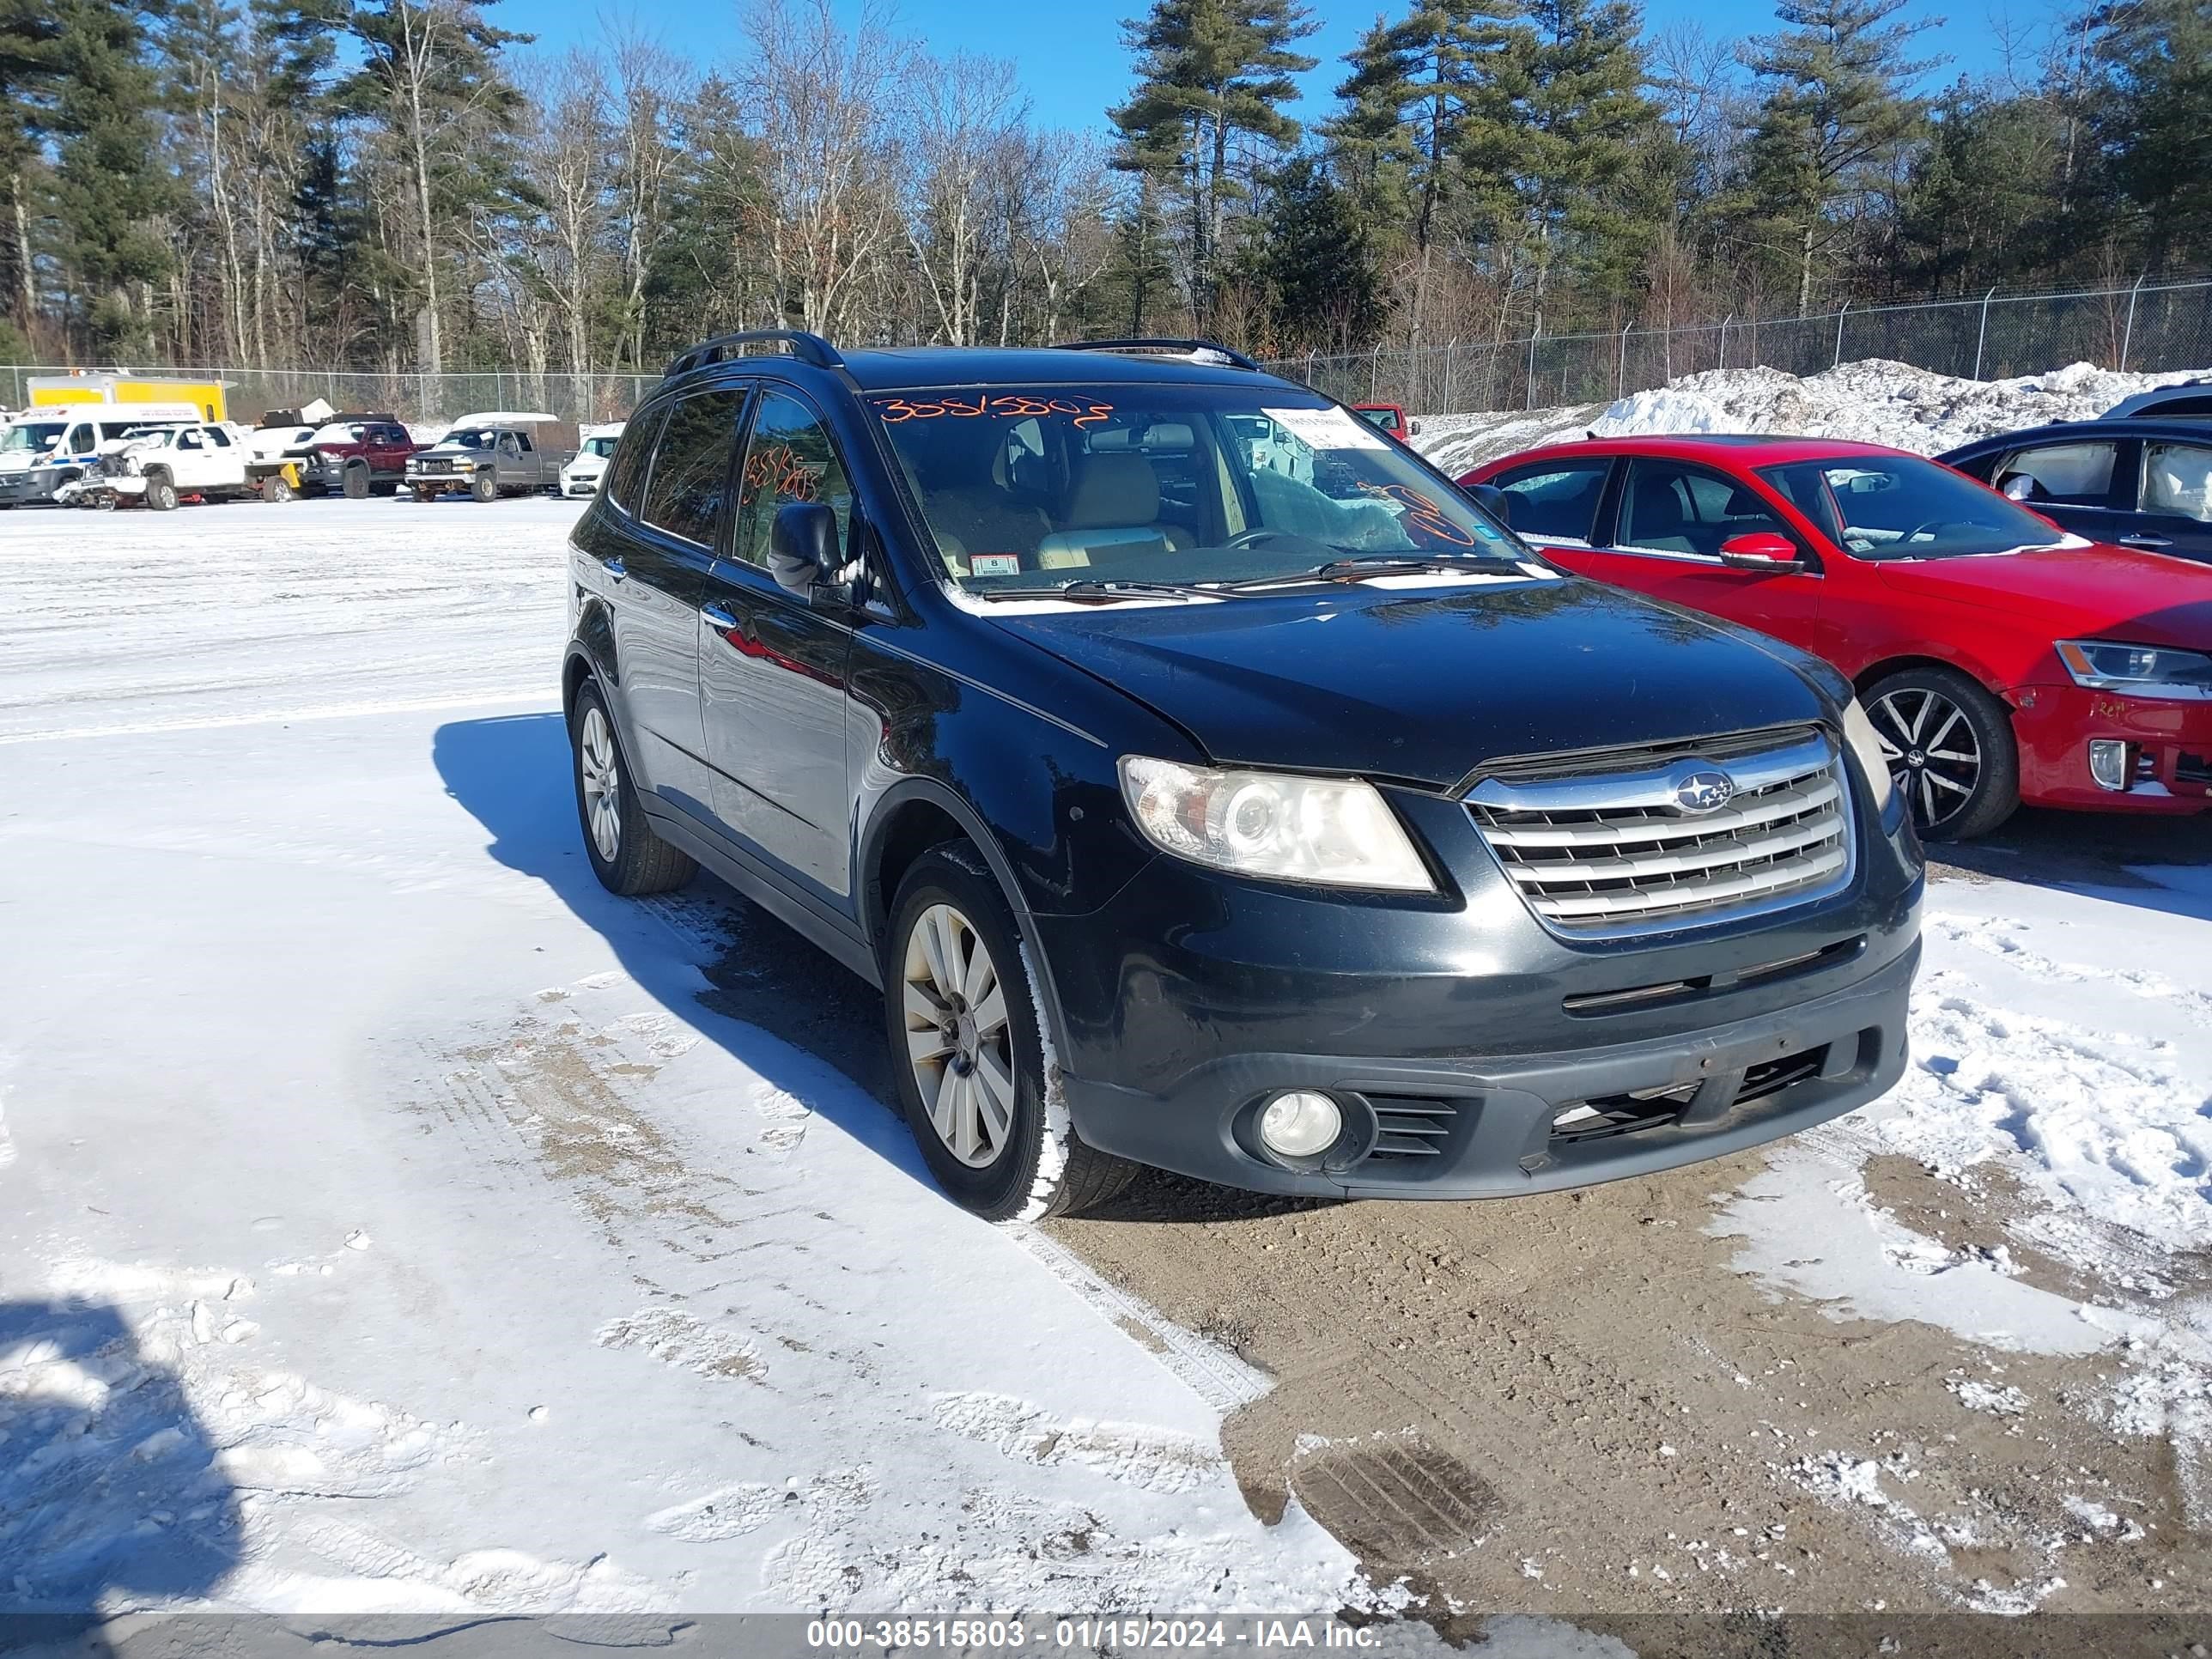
[{"x": 1253, "y": 537}]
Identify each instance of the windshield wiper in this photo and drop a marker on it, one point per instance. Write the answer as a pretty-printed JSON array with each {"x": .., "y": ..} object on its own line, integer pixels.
[
  {"x": 1374, "y": 564},
  {"x": 1093, "y": 590}
]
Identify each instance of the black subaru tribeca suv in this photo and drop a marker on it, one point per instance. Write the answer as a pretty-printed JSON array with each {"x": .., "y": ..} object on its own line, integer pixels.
[{"x": 1208, "y": 783}]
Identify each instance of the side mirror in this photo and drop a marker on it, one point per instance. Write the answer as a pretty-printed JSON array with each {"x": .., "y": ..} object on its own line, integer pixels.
[
  {"x": 802, "y": 547},
  {"x": 1412, "y": 428},
  {"x": 1761, "y": 550},
  {"x": 1494, "y": 500}
]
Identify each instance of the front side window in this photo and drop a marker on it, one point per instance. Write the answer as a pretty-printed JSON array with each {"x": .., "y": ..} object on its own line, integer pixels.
[
  {"x": 2067, "y": 475},
  {"x": 1899, "y": 507},
  {"x": 1554, "y": 501},
  {"x": 690, "y": 466},
  {"x": 1189, "y": 485},
  {"x": 790, "y": 459},
  {"x": 2177, "y": 480}
]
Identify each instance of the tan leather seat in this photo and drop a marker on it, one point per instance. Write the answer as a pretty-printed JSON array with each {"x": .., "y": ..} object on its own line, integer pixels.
[{"x": 1113, "y": 507}]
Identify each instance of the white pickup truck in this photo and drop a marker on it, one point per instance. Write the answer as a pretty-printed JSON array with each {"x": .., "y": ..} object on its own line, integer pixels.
[{"x": 162, "y": 464}]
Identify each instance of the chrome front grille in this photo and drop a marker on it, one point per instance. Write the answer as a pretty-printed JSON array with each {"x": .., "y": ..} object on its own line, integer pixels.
[{"x": 1612, "y": 850}]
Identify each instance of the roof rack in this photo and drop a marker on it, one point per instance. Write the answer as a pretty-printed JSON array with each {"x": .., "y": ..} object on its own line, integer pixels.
[
  {"x": 1201, "y": 351},
  {"x": 807, "y": 348}
]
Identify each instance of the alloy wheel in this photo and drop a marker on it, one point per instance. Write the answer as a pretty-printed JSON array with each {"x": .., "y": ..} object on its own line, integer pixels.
[
  {"x": 958, "y": 1042},
  {"x": 1934, "y": 758},
  {"x": 602, "y": 776}
]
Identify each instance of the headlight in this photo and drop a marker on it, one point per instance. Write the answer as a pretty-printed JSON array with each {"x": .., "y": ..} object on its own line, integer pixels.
[
  {"x": 1336, "y": 831},
  {"x": 2149, "y": 670},
  {"x": 1873, "y": 758}
]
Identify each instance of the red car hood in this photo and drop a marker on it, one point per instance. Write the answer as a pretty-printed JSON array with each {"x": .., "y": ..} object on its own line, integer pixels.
[{"x": 2089, "y": 591}]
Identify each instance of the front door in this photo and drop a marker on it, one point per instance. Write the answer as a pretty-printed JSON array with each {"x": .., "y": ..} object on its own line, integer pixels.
[
  {"x": 772, "y": 665},
  {"x": 657, "y": 581},
  {"x": 1673, "y": 519}
]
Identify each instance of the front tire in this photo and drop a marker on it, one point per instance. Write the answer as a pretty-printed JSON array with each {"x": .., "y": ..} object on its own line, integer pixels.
[
  {"x": 961, "y": 1016},
  {"x": 627, "y": 856},
  {"x": 356, "y": 483},
  {"x": 1951, "y": 749},
  {"x": 484, "y": 486},
  {"x": 161, "y": 493}
]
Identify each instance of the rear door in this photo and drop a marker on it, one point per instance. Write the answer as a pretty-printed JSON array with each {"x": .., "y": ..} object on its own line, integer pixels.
[
  {"x": 1672, "y": 518},
  {"x": 2174, "y": 505},
  {"x": 656, "y": 581},
  {"x": 772, "y": 665}
]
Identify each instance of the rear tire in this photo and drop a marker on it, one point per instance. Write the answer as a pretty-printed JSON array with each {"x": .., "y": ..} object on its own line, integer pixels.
[
  {"x": 356, "y": 483},
  {"x": 961, "y": 1016},
  {"x": 276, "y": 489},
  {"x": 484, "y": 486},
  {"x": 627, "y": 856},
  {"x": 161, "y": 492},
  {"x": 1951, "y": 749}
]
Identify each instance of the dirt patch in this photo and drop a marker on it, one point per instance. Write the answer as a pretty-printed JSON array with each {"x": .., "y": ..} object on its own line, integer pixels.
[{"x": 1575, "y": 1403}]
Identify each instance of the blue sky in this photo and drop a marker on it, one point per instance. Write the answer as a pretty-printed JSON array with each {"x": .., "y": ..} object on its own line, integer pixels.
[{"x": 1073, "y": 66}]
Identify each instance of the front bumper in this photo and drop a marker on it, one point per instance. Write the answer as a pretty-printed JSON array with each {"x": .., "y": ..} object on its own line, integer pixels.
[
  {"x": 2055, "y": 724},
  {"x": 1487, "y": 1127},
  {"x": 1189, "y": 997},
  {"x": 37, "y": 484}
]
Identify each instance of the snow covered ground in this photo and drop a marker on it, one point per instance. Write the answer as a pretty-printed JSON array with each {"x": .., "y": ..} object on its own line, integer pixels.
[
  {"x": 392, "y": 1220},
  {"x": 386, "y": 1224},
  {"x": 1871, "y": 401}
]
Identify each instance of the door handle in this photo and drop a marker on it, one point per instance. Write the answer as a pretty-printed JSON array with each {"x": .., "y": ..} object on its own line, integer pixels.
[
  {"x": 719, "y": 617},
  {"x": 2144, "y": 541},
  {"x": 617, "y": 569}
]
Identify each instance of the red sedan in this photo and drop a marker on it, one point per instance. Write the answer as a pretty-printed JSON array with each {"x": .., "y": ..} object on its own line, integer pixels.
[{"x": 1999, "y": 659}]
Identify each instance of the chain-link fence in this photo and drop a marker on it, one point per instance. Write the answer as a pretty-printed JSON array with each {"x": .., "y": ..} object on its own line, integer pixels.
[{"x": 2145, "y": 326}]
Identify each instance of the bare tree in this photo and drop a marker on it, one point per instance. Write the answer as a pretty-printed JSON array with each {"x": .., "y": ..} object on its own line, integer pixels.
[
  {"x": 825, "y": 106},
  {"x": 566, "y": 160},
  {"x": 967, "y": 114},
  {"x": 650, "y": 84}
]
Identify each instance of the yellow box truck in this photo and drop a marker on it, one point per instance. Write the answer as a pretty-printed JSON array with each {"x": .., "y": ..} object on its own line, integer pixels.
[{"x": 49, "y": 390}]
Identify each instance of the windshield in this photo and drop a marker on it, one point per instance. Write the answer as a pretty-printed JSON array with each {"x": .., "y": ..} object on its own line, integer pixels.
[
  {"x": 1385, "y": 418},
  {"x": 601, "y": 447},
  {"x": 34, "y": 437},
  {"x": 472, "y": 438},
  {"x": 1028, "y": 488},
  {"x": 1899, "y": 507},
  {"x": 340, "y": 433}
]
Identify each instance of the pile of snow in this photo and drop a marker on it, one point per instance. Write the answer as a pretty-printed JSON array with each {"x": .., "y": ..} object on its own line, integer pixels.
[{"x": 1874, "y": 401}]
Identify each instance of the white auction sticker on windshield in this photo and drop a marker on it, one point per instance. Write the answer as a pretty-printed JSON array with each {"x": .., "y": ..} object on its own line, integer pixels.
[{"x": 1328, "y": 428}]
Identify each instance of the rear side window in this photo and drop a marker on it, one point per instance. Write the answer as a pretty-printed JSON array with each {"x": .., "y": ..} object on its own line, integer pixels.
[
  {"x": 2177, "y": 480},
  {"x": 626, "y": 474},
  {"x": 1553, "y": 498},
  {"x": 790, "y": 459},
  {"x": 691, "y": 465}
]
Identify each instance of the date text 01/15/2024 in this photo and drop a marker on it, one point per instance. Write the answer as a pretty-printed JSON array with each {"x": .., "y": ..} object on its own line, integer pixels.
[{"x": 1124, "y": 1632}]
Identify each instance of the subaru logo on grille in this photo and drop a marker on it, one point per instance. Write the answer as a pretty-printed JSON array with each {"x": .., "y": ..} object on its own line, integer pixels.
[{"x": 1704, "y": 792}]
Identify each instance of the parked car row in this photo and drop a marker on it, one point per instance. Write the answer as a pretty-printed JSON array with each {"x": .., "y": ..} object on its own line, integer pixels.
[{"x": 111, "y": 455}]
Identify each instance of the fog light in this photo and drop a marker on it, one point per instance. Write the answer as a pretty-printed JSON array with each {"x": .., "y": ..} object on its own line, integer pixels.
[
  {"x": 1300, "y": 1123},
  {"x": 2111, "y": 765}
]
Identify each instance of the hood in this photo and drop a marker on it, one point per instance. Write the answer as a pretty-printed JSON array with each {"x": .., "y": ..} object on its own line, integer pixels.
[
  {"x": 1424, "y": 687},
  {"x": 587, "y": 464},
  {"x": 2087, "y": 590}
]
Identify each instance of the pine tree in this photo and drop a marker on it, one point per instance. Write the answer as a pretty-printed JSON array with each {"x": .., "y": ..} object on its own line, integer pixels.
[
  {"x": 1410, "y": 101},
  {"x": 108, "y": 190},
  {"x": 2150, "y": 115},
  {"x": 1980, "y": 202},
  {"x": 1317, "y": 265},
  {"x": 431, "y": 82},
  {"x": 1565, "y": 120},
  {"x": 1835, "y": 119},
  {"x": 29, "y": 32},
  {"x": 1211, "y": 72}
]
